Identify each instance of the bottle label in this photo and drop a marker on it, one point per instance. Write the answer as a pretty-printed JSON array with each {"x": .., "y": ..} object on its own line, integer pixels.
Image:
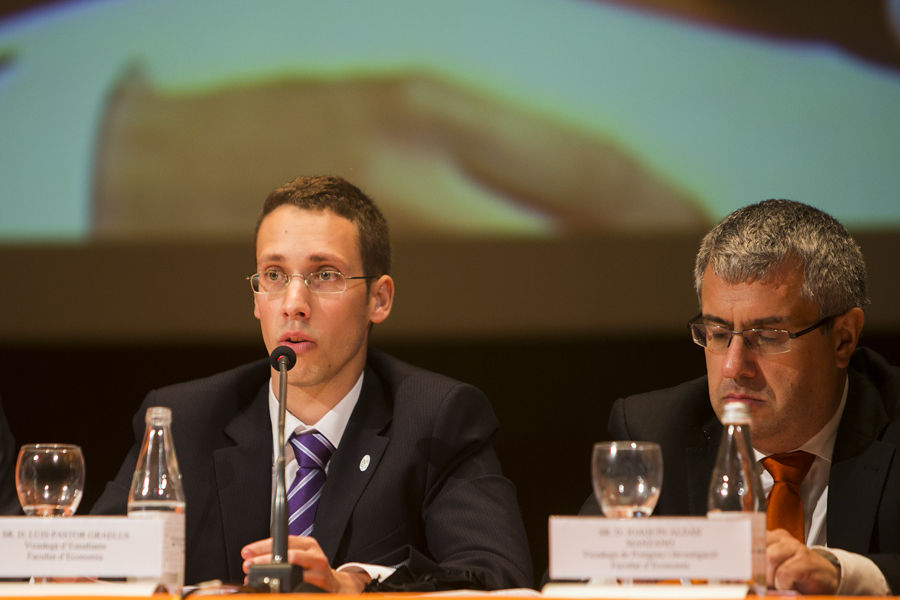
[
  {"x": 758, "y": 548},
  {"x": 173, "y": 544},
  {"x": 757, "y": 542}
]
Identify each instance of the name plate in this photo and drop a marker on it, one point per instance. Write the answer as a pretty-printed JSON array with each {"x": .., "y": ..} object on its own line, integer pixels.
[
  {"x": 80, "y": 547},
  {"x": 654, "y": 548}
]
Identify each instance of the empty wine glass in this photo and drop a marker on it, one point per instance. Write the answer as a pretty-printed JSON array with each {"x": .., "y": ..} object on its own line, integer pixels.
[
  {"x": 50, "y": 479},
  {"x": 627, "y": 477}
]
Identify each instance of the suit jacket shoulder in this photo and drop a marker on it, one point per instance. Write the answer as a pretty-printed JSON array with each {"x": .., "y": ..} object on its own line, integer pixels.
[
  {"x": 199, "y": 406},
  {"x": 674, "y": 415},
  {"x": 427, "y": 402},
  {"x": 681, "y": 420}
]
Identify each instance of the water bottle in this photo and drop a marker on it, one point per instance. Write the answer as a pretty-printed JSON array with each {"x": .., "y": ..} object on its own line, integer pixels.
[
  {"x": 735, "y": 489},
  {"x": 156, "y": 492}
]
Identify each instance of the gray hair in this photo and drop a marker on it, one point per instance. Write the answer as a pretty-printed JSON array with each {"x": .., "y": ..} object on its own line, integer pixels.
[{"x": 753, "y": 242}]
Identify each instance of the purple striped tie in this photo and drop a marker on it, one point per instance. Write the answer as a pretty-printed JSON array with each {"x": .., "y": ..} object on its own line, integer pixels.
[{"x": 312, "y": 451}]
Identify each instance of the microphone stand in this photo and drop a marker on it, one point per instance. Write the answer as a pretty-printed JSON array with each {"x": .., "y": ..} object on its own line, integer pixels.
[{"x": 279, "y": 576}]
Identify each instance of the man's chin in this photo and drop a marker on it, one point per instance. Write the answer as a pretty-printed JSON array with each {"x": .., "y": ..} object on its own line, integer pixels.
[{"x": 298, "y": 376}]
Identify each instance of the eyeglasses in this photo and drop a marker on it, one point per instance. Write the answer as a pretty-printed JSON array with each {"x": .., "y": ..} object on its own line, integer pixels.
[
  {"x": 717, "y": 338},
  {"x": 275, "y": 281}
]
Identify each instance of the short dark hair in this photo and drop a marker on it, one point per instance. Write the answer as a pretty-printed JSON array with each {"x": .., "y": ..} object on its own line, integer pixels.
[
  {"x": 343, "y": 199},
  {"x": 753, "y": 242}
]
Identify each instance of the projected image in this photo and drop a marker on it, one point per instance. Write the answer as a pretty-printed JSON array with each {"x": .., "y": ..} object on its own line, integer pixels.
[
  {"x": 535, "y": 118},
  {"x": 438, "y": 157}
]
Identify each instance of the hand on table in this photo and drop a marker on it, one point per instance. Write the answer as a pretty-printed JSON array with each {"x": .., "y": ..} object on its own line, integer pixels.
[
  {"x": 791, "y": 565},
  {"x": 305, "y": 551}
]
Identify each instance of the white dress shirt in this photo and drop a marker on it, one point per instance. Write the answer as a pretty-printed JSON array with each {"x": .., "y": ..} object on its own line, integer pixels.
[
  {"x": 859, "y": 575},
  {"x": 331, "y": 425}
]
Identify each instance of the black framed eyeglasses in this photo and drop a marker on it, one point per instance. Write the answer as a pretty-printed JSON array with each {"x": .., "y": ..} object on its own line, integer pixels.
[
  {"x": 276, "y": 281},
  {"x": 717, "y": 338}
]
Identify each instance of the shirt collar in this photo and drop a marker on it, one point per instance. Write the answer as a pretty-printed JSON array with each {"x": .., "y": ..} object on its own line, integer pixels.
[
  {"x": 331, "y": 425},
  {"x": 821, "y": 444}
]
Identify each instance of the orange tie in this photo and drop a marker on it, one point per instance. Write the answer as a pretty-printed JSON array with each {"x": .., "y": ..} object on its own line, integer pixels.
[{"x": 784, "y": 507}]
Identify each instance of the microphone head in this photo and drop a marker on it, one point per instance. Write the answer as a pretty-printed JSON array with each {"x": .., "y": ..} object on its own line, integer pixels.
[{"x": 290, "y": 357}]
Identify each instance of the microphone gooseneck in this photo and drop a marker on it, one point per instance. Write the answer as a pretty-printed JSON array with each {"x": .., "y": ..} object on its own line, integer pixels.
[
  {"x": 279, "y": 576},
  {"x": 282, "y": 358}
]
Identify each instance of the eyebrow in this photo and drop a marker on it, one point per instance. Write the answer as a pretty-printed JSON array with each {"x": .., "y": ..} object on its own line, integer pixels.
[
  {"x": 320, "y": 258},
  {"x": 754, "y": 324},
  {"x": 315, "y": 258},
  {"x": 270, "y": 258}
]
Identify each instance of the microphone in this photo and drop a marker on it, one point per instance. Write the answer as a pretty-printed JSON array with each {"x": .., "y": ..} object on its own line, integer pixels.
[
  {"x": 279, "y": 576},
  {"x": 283, "y": 354}
]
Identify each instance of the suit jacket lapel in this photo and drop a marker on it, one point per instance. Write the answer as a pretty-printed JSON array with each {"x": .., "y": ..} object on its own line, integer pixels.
[
  {"x": 353, "y": 464},
  {"x": 244, "y": 479},
  {"x": 858, "y": 470}
]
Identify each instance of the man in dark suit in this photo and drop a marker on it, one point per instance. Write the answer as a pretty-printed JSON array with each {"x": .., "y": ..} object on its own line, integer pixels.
[
  {"x": 781, "y": 287},
  {"x": 413, "y": 479}
]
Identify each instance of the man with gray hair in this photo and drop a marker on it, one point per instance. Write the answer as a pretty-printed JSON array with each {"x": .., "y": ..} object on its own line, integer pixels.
[{"x": 782, "y": 287}]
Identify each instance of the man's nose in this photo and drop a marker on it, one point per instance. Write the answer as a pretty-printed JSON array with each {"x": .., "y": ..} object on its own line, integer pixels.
[
  {"x": 740, "y": 360},
  {"x": 295, "y": 302}
]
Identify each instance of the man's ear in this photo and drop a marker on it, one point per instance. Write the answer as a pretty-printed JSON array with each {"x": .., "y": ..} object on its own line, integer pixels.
[
  {"x": 846, "y": 330},
  {"x": 381, "y": 299}
]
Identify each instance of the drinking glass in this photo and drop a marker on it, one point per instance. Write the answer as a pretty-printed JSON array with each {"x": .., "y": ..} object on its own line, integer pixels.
[
  {"x": 627, "y": 477},
  {"x": 50, "y": 479}
]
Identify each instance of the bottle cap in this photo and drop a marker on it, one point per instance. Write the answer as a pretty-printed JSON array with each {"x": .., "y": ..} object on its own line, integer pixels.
[
  {"x": 736, "y": 413},
  {"x": 158, "y": 415}
]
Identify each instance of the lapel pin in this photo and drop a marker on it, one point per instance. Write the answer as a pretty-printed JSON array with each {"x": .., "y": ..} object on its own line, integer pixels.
[{"x": 364, "y": 463}]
